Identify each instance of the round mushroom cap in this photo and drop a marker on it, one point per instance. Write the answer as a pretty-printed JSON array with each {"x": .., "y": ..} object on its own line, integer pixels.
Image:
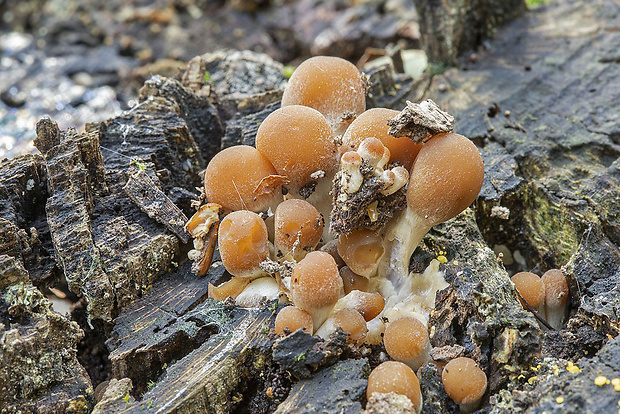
[
  {"x": 373, "y": 123},
  {"x": 394, "y": 376},
  {"x": 531, "y": 287},
  {"x": 464, "y": 381},
  {"x": 315, "y": 282},
  {"x": 556, "y": 288},
  {"x": 361, "y": 250},
  {"x": 297, "y": 220},
  {"x": 405, "y": 338},
  {"x": 292, "y": 318},
  {"x": 243, "y": 242},
  {"x": 241, "y": 178},
  {"x": 352, "y": 323},
  {"x": 445, "y": 179},
  {"x": 298, "y": 141},
  {"x": 331, "y": 85}
]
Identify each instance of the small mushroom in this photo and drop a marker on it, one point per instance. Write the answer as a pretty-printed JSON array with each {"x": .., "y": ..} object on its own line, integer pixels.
[
  {"x": 531, "y": 288},
  {"x": 361, "y": 250},
  {"x": 406, "y": 340},
  {"x": 292, "y": 318},
  {"x": 331, "y": 85},
  {"x": 316, "y": 285},
  {"x": 465, "y": 383},
  {"x": 298, "y": 228},
  {"x": 556, "y": 297},
  {"x": 368, "y": 304},
  {"x": 352, "y": 281},
  {"x": 243, "y": 243},
  {"x": 257, "y": 292},
  {"x": 350, "y": 321},
  {"x": 394, "y": 376}
]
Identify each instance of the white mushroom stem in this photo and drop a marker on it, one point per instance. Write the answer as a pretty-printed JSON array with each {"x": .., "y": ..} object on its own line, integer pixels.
[
  {"x": 403, "y": 235},
  {"x": 321, "y": 199},
  {"x": 259, "y": 290}
]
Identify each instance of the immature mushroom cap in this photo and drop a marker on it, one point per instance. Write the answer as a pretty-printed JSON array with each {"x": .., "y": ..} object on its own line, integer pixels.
[
  {"x": 361, "y": 250},
  {"x": 330, "y": 85},
  {"x": 446, "y": 178},
  {"x": 373, "y": 123},
  {"x": 350, "y": 321},
  {"x": 299, "y": 142},
  {"x": 556, "y": 297},
  {"x": 352, "y": 281},
  {"x": 243, "y": 243},
  {"x": 316, "y": 285},
  {"x": 292, "y": 318},
  {"x": 299, "y": 225},
  {"x": 241, "y": 178},
  {"x": 464, "y": 382},
  {"x": 394, "y": 376},
  {"x": 531, "y": 288},
  {"x": 406, "y": 340},
  {"x": 368, "y": 304}
]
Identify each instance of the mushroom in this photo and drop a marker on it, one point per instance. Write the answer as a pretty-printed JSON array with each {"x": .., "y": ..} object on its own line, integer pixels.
[
  {"x": 352, "y": 281},
  {"x": 316, "y": 285},
  {"x": 231, "y": 288},
  {"x": 369, "y": 305},
  {"x": 446, "y": 178},
  {"x": 243, "y": 243},
  {"x": 556, "y": 297},
  {"x": 291, "y": 318},
  {"x": 257, "y": 292},
  {"x": 373, "y": 123},
  {"x": 394, "y": 376},
  {"x": 241, "y": 178},
  {"x": 298, "y": 228},
  {"x": 299, "y": 143},
  {"x": 362, "y": 251},
  {"x": 331, "y": 85},
  {"x": 406, "y": 340},
  {"x": 465, "y": 383},
  {"x": 350, "y": 321},
  {"x": 531, "y": 289}
]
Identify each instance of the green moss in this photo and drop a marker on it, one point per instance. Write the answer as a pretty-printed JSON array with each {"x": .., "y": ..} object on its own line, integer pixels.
[
  {"x": 287, "y": 71},
  {"x": 535, "y": 3}
]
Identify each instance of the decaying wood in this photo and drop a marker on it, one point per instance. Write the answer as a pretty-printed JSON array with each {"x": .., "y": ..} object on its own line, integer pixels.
[{"x": 419, "y": 122}]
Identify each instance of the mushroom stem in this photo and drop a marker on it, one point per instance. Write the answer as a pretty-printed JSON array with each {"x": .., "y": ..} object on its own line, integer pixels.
[
  {"x": 321, "y": 199},
  {"x": 404, "y": 234}
]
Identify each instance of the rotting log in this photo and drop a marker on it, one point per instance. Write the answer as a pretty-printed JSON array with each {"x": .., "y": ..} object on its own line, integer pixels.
[{"x": 552, "y": 163}]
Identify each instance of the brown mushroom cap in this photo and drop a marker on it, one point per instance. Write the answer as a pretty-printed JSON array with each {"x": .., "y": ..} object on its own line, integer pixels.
[
  {"x": 446, "y": 178},
  {"x": 331, "y": 85},
  {"x": 406, "y": 340},
  {"x": 464, "y": 381},
  {"x": 241, "y": 178},
  {"x": 394, "y": 376},
  {"x": 531, "y": 287},
  {"x": 556, "y": 288},
  {"x": 352, "y": 281},
  {"x": 315, "y": 282},
  {"x": 373, "y": 123},
  {"x": 298, "y": 141},
  {"x": 350, "y": 321},
  {"x": 297, "y": 220},
  {"x": 361, "y": 250},
  {"x": 243, "y": 243},
  {"x": 292, "y": 319}
]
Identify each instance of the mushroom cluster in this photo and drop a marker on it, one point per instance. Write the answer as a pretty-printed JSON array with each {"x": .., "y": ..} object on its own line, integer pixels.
[
  {"x": 326, "y": 211},
  {"x": 546, "y": 295}
]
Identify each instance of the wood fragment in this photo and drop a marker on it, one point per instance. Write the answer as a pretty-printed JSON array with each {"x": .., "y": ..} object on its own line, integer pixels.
[{"x": 419, "y": 122}]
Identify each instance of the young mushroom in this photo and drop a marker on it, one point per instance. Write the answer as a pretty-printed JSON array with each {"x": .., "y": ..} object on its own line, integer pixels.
[
  {"x": 350, "y": 321},
  {"x": 331, "y": 85},
  {"x": 241, "y": 178},
  {"x": 373, "y": 123},
  {"x": 298, "y": 141},
  {"x": 298, "y": 228},
  {"x": 361, "y": 250},
  {"x": 406, "y": 340},
  {"x": 465, "y": 383},
  {"x": 394, "y": 376},
  {"x": 531, "y": 289},
  {"x": 316, "y": 285},
  {"x": 368, "y": 304},
  {"x": 243, "y": 243},
  {"x": 291, "y": 318},
  {"x": 446, "y": 178},
  {"x": 556, "y": 297}
]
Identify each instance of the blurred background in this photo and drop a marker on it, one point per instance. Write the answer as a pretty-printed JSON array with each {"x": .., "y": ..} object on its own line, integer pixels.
[{"x": 81, "y": 61}]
